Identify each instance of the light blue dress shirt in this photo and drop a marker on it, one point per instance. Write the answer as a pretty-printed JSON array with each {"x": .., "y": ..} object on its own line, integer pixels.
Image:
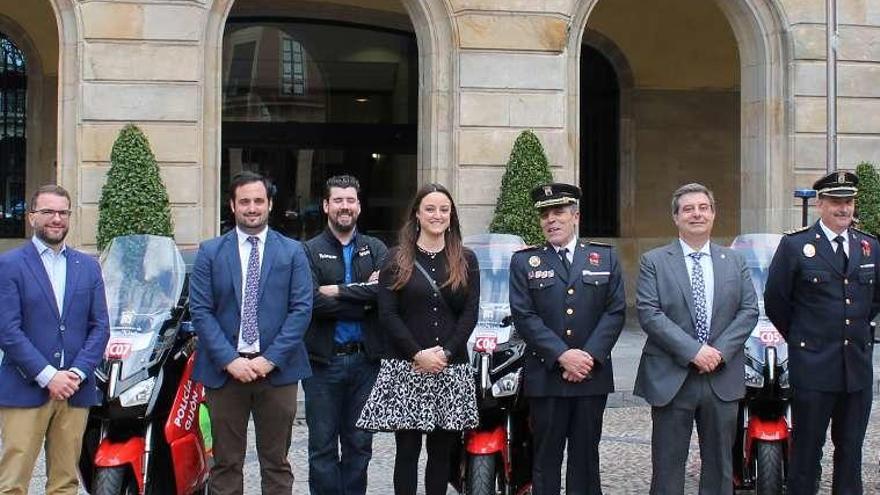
[{"x": 56, "y": 268}]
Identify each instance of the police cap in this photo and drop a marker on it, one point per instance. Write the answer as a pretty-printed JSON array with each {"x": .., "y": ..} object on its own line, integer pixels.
[
  {"x": 839, "y": 184},
  {"x": 555, "y": 194}
]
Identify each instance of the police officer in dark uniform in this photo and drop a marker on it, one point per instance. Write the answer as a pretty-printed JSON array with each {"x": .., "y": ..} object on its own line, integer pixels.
[
  {"x": 567, "y": 301},
  {"x": 821, "y": 295}
]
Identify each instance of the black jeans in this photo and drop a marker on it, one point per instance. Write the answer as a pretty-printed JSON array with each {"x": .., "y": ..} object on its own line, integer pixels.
[{"x": 406, "y": 461}]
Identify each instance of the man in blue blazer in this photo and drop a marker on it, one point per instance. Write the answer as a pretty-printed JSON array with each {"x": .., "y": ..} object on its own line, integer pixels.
[
  {"x": 251, "y": 303},
  {"x": 53, "y": 331}
]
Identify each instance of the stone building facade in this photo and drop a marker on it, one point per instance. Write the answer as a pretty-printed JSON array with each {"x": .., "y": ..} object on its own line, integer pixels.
[{"x": 629, "y": 97}]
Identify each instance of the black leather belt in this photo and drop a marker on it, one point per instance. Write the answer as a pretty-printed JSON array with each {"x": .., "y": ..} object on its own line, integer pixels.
[
  {"x": 249, "y": 355},
  {"x": 347, "y": 349}
]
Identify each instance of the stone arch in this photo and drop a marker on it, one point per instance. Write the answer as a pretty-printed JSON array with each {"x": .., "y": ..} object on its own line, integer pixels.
[
  {"x": 432, "y": 22},
  {"x": 765, "y": 51}
]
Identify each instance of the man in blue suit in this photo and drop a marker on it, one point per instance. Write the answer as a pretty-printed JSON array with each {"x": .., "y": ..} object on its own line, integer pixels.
[
  {"x": 251, "y": 303},
  {"x": 53, "y": 331}
]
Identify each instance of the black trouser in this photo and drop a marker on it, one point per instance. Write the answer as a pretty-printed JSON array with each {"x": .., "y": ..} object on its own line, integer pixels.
[
  {"x": 406, "y": 460},
  {"x": 578, "y": 420},
  {"x": 811, "y": 411}
]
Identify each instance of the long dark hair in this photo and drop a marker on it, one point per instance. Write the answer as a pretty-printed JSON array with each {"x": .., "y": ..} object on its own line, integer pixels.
[{"x": 404, "y": 260}]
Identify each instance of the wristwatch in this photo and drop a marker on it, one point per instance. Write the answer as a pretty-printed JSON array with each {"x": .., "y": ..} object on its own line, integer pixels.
[{"x": 447, "y": 353}]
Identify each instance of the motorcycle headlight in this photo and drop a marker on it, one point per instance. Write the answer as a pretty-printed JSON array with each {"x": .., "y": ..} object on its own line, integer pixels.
[
  {"x": 783, "y": 379},
  {"x": 754, "y": 378},
  {"x": 506, "y": 385},
  {"x": 139, "y": 394}
]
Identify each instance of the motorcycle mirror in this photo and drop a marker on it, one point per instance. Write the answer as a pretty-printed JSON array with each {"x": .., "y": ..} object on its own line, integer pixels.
[{"x": 507, "y": 321}]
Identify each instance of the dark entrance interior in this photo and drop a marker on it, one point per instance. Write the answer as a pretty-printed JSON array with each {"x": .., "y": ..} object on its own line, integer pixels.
[
  {"x": 600, "y": 146},
  {"x": 13, "y": 147},
  {"x": 306, "y": 99}
]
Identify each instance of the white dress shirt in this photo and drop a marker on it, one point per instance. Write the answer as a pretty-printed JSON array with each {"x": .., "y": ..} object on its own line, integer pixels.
[
  {"x": 831, "y": 236},
  {"x": 708, "y": 274},
  {"x": 244, "y": 254},
  {"x": 570, "y": 246}
]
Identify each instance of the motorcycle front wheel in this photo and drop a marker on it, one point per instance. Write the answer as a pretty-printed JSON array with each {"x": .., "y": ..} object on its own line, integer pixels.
[
  {"x": 481, "y": 475},
  {"x": 117, "y": 480},
  {"x": 769, "y": 468}
]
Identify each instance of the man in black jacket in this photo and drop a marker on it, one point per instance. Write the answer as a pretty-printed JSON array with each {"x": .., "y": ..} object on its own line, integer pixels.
[{"x": 343, "y": 341}]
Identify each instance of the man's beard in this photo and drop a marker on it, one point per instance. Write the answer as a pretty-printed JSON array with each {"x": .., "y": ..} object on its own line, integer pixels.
[
  {"x": 42, "y": 234},
  {"x": 338, "y": 227}
]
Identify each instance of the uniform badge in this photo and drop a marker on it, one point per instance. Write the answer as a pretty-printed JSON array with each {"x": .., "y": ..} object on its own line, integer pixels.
[
  {"x": 866, "y": 248},
  {"x": 594, "y": 258},
  {"x": 364, "y": 251},
  {"x": 534, "y": 261},
  {"x": 809, "y": 250},
  {"x": 548, "y": 191},
  {"x": 550, "y": 273}
]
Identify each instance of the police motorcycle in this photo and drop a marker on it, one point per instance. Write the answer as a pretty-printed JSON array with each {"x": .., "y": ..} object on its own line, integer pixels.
[
  {"x": 148, "y": 435},
  {"x": 496, "y": 457},
  {"x": 763, "y": 430}
]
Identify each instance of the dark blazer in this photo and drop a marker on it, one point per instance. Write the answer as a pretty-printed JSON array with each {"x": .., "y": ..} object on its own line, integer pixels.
[
  {"x": 356, "y": 301},
  {"x": 555, "y": 313},
  {"x": 825, "y": 314},
  {"x": 415, "y": 319},
  {"x": 33, "y": 334},
  {"x": 666, "y": 307},
  {"x": 283, "y": 312}
]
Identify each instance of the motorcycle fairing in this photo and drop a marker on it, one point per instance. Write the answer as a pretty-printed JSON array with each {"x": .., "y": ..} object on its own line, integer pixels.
[{"x": 127, "y": 453}]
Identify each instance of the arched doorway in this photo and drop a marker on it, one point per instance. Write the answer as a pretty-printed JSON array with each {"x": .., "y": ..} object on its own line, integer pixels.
[
  {"x": 390, "y": 127},
  {"x": 29, "y": 108},
  {"x": 305, "y": 99},
  {"x": 749, "y": 88}
]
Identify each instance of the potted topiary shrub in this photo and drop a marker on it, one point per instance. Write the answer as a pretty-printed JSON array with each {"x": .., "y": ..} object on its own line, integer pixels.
[
  {"x": 134, "y": 199},
  {"x": 527, "y": 168}
]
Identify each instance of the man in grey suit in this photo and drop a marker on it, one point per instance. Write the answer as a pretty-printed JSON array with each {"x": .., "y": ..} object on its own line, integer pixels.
[{"x": 697, "y": 304}]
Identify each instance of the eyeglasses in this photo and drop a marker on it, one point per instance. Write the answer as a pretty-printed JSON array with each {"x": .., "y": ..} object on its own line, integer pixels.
[{"x": 51, "y": 213}]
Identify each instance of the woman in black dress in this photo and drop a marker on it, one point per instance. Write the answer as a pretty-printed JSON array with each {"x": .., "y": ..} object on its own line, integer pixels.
[{"x": 429, "y": 293}]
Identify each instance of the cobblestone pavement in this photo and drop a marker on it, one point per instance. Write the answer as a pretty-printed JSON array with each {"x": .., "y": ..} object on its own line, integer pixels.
[
  {"x": 625, "y": 448},
  {"x": 625, "y": 452}
]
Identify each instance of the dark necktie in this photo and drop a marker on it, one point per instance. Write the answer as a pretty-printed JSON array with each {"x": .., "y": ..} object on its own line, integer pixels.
[
  {"x": 840, "y": 254},
  {"x": 249, "y": 330},
  {"x": 563, "y": 255},
  {"x": 698, "y": 286}
]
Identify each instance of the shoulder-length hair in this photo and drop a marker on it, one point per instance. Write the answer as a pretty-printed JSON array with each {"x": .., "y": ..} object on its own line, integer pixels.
[{"x": 404, "y": 260}]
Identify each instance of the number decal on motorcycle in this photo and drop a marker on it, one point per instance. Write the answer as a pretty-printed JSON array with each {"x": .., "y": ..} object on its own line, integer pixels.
[
  {"x": 769, "y": 336},
  {"x": 118, "y": 350},
  {"x": 485, "y": 342}
]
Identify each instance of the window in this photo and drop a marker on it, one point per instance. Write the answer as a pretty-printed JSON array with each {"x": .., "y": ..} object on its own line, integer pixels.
[
  {"x": 293, "y": 67},
  {"x": 13, "y": 110}
]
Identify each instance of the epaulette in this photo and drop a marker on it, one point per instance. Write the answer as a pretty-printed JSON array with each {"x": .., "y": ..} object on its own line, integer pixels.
[
  {"x": 797, "y": 231},
  {"x": 525, "y": 248},
  {"x": 860, "y": 231}
]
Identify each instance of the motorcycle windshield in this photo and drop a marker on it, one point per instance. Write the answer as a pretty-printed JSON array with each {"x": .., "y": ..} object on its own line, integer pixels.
[
  {"x": 493, "y": 253},
  {"x": 758, "y": 250},
  {"x": 143, "y": 280}
]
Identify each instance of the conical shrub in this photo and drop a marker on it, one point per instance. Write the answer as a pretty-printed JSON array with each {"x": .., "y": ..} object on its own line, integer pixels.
[
  {"x": 527, "y": 168},
  {"x": 868, "y": 200},
  {"x": 134, "y": 199}
]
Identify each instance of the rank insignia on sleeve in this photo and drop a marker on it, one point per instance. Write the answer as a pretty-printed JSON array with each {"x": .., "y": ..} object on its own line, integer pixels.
[
  {"x": 809, "y": 250},
  {"x": 866, "y": 248},
  {"x": 534, "y": 261}
]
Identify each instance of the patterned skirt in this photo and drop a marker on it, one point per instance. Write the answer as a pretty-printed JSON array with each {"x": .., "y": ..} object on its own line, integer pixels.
[{"x": 405, "y": 399}]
